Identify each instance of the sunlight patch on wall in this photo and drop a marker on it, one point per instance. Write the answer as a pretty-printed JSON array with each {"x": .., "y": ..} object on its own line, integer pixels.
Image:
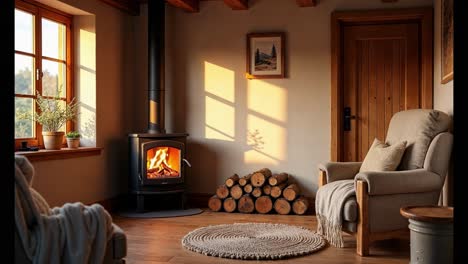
[
  {"x": 86, "y": 80},
  {"x": 273, "y": 138},
  {"x": 219, "y": 120},
  {"x": 219, "y": 81},
  {"x": 87, "y": 49},
  {"x": 267, "y": 99},
  {"x": 219, "y": 103}
]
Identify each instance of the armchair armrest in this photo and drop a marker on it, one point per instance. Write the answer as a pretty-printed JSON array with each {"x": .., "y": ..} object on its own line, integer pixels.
[
  {"x": 398, "y": 182},
  {"x": 340, "y": 170}
]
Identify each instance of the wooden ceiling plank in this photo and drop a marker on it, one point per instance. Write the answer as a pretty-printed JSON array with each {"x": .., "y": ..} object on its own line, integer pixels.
[
  {"x": 306, "y": 3},
  {"x": 237, "y": 4},
  {"x": 131, "y": 7},
  {"x": 192, "y": 6}
]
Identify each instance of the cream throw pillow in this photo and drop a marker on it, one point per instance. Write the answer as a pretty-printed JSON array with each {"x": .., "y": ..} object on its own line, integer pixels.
[{"x": 383, "y": 157}]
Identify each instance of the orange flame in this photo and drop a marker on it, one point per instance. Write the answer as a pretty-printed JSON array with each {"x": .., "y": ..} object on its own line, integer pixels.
[{"x": 158, "y": 166}]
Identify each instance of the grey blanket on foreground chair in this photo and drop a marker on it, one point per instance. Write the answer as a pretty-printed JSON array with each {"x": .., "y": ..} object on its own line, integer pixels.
[
  {"x": 72, "y": 234},
  {"x": 329, "y": 203}
]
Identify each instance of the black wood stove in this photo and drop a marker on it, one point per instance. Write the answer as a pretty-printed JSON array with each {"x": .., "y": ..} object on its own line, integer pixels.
[{"x": 157, "y": 158}]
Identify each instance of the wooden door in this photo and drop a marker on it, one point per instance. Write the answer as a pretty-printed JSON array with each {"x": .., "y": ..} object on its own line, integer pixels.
[{"x": 383, "y": 70}]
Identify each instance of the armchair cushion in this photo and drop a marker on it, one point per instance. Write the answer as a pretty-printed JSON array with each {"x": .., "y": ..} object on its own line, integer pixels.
[
  {"x": 340, "y": 170},
  {"x": 350, "y": 210},
  {"x": 418, "y": 127},
  {"x": 399, "y": 182},
  {"x": 383, "y": 157},
  {"x": 119, "y": 243}
]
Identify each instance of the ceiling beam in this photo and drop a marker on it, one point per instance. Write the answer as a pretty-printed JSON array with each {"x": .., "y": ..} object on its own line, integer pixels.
[
  {"x": 131, "y": 7},
  {"x": 192, "y": 6},
  {"x": 306, "y": 3},
  {"x": 237, "y": 4}
]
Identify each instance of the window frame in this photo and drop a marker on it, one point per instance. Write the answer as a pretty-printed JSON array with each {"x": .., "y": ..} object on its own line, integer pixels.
[{"x": 40, "y": 11}]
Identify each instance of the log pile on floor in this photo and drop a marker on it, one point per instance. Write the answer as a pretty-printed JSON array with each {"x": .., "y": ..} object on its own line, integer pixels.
[{"x": 259, "y": 192}]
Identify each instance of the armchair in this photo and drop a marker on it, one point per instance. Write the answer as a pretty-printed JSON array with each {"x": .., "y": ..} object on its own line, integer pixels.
[
  {"x": 374, "y": 213},
  {"x": 73, "y": 233}
]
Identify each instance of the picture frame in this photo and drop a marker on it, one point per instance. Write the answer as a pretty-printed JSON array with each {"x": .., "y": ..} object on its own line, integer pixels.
[
  {"x": 265, "y": 55},
  {"x": 447, "y": 41}
]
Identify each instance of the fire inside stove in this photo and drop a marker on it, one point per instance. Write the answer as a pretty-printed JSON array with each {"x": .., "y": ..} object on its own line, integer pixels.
[{"x": 163, "y": 162}]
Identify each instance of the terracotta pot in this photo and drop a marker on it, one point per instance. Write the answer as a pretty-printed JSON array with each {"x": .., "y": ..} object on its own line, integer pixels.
[
  {"x": 73, "y": 142},
  {"x": 53, "y": 140}
]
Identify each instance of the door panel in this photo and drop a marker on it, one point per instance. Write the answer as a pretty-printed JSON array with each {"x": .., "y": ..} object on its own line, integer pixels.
[{"x": 381, "y": 76}]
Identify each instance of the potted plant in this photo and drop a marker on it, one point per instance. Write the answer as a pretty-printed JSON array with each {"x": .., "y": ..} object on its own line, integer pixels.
[
  {"x": 73, "y": 139},
  {"x": 52, "y": 116}
]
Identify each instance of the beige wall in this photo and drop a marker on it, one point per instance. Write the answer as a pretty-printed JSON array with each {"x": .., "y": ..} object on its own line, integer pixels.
[
  {"x": 238, "y": 125},
  {"x": 96, "y": 178},
  {"x": 443, "y": 93}
]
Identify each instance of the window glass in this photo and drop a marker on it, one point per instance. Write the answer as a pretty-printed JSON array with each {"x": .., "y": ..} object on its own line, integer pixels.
[
  {"x": 24, "y": 74},
  {"x": 24, "y": 31},
  {"x": 53, "y": 39}
]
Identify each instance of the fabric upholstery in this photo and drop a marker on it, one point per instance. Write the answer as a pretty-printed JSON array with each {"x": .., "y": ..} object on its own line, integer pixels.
[
  {"x": 384, "y": 210},
  {"x": 418, "y": 127},
  {"x": 350, "y": 226},
  {"x": 350, "y": 210},
  {"x": 397, "y": 182},
  {"x": 119, "y": 243},
  {"x": 438, "y": 154},
  {"x": 340, "y": 170},
  {"x": 383, "y": 157}
]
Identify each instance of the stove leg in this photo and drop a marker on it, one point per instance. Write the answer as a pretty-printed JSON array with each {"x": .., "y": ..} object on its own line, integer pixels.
[{"x": 140, "y": 203}]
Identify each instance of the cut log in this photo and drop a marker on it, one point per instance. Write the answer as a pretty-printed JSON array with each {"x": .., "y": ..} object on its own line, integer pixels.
[
  {"x": 257, "y": 192},
  {"x": 222, "y": 191},
  {"x": 248, "y": 188},
  {"x": 278, "y": 179},
  {"x": 244, "y": 180},
  {"x": 236, "y": 192},
  {"x": 246, "y": 204},
  {"x": 300, "y": 205},
  {"x": 291, "y": 192},
  {"x": 282, "y": 206},
  {"x": 232, "y": 180},
  {"x": 277, "y": 190},
  {"x": 260, "y": 177},
  {"x": 229, "y": 205},
  {"x": 263, "y": 204},
  {"x": 215, "y": 204},
  {"x": 267, "y": 189}
]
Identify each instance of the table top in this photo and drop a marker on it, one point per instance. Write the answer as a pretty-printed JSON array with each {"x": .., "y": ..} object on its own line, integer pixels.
[{"x": 428, "y": 213}]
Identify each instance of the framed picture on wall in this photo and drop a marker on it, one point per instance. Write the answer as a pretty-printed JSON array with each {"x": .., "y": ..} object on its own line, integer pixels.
[
  {"x": 447, "y": 41},
  {"x": 265, "y": 55}
]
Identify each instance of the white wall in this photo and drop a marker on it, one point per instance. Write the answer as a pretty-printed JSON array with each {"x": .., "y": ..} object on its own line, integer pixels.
[
  {"x": 96, "y": 178},
  {"x": 210, "y": 98},
  {"x": 443, "y": 93}
]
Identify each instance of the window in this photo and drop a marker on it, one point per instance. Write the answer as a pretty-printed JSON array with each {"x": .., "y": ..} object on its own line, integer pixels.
[{"x": 42, "y": 63}]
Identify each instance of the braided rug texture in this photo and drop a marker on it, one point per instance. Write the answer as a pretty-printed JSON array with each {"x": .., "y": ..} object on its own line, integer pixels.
[{"x": 253, "y": 241}]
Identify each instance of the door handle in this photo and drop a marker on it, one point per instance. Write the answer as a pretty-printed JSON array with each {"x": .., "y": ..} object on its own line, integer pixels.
[{"x": 347, "y": 119}]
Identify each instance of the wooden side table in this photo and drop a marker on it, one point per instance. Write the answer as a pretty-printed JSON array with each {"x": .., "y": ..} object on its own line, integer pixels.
[{"x": 431, "y": 233}]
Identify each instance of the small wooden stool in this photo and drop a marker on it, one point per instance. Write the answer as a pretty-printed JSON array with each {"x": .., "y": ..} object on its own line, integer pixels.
[{"x": 431, "y": 233}]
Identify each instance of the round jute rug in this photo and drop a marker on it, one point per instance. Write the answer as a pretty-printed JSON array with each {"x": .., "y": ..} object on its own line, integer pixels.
[{"x": 253, "y": 241}]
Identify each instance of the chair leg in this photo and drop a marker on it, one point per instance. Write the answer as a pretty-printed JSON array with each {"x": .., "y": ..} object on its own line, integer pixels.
[{"x": 362, "y": 243}]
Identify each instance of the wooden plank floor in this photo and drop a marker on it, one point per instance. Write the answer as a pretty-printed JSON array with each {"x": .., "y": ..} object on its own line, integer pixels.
[{"x": 158, "y": 240}]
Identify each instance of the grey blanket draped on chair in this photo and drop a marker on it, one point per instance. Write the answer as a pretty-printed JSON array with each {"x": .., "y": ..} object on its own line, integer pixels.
[
  {"x": 72, "y": 234},
  {"x": 329, "y": 203}
]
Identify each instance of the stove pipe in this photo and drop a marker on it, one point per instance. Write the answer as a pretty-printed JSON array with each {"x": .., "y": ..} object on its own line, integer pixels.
[{"x": 156, "y": 90}]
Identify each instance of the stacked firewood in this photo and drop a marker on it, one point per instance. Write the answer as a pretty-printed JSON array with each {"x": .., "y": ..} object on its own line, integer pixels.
[{"x": 259, "y": 192}]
